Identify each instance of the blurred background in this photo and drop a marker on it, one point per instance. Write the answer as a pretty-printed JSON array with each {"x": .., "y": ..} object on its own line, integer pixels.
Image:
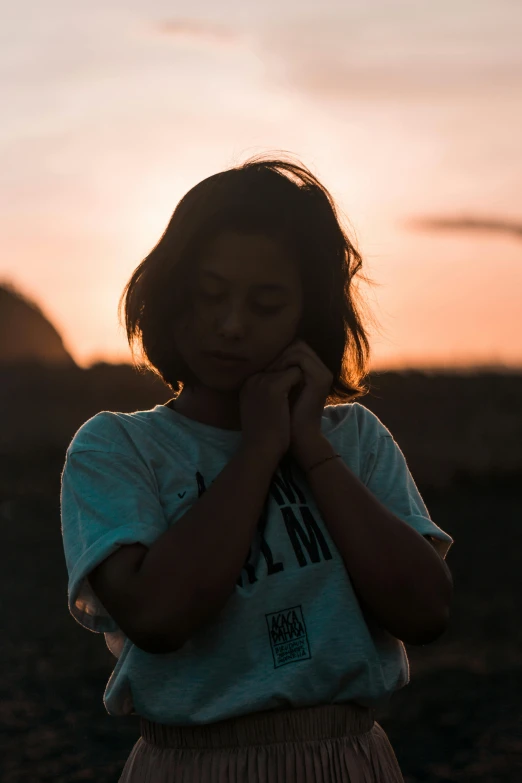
[{"x": 410, "y": 114}]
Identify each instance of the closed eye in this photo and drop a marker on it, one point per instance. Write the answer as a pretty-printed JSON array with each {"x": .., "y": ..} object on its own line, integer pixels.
[{"x": 264, "y": 309}]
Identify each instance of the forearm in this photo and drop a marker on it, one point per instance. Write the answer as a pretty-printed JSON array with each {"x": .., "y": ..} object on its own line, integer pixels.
[
  {"x": 191, "y": 570},
  {"x": 395, "y": 572}
]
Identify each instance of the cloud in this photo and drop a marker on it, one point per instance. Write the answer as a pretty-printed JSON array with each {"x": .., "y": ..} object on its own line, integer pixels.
[
  {"x": 197, "y": 30},
  {"x": 466, "y": 224},
  {"x": 369, "y": 52}
]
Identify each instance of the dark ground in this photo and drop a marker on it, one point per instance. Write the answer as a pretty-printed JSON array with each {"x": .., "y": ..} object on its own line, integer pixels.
[{"x": 459, "y": 719}]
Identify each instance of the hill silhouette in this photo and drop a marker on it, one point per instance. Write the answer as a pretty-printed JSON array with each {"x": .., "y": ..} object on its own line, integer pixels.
[{"x": 26, "y": 334}]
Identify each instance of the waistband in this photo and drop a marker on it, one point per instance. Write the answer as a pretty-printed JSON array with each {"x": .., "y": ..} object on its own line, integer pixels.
[{"x": 263, "y": 728}]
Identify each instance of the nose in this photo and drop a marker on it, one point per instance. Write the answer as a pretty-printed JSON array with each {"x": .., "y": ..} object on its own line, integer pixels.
[{"x": 231, "y": 323}]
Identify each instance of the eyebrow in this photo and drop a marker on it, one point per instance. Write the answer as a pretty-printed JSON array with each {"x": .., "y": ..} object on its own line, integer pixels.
[{"x": 264, "y": 286}]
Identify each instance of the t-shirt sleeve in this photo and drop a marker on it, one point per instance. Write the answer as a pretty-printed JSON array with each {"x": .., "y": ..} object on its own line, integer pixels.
[
  {"x": 388, "y": 477},
  {"x": 108, "y": 498}
]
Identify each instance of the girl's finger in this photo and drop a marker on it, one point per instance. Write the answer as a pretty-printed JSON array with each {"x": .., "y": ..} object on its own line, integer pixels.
[
  {"x": 280, "y": 363},
  {"x": 294, "y": 355},
  {"x": 290, "y": 363},
  {"x": 287, "y": 355}
]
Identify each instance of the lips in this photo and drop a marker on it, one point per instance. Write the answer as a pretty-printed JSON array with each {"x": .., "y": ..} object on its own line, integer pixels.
[{"x": 225, "y": 356}]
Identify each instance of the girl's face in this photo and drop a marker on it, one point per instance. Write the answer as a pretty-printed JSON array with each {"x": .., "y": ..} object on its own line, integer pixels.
[{"x": 247, "y": 300}]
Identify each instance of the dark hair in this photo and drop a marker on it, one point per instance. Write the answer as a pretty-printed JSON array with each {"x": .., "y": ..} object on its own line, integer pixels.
[{"x": 255, "y": 198}]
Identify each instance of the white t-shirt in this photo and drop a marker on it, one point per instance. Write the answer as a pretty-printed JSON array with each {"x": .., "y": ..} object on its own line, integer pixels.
[{"x": 292, "y": 634}]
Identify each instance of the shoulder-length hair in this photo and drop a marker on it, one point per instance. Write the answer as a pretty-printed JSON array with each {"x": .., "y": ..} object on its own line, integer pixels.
[{"x": 256, "y": 197}]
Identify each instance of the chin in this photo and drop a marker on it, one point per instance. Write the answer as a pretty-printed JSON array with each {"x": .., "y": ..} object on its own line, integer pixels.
[{"x": 223, "y": 385}]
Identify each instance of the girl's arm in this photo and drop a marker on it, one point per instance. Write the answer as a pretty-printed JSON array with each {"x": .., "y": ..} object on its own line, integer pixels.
[
  {"x": 191, "y": 570},
  {"x": 395, "y": 572}
]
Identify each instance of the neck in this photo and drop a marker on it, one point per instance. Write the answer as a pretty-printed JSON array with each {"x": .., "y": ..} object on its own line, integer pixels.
[{"x": 208, "y": 406}]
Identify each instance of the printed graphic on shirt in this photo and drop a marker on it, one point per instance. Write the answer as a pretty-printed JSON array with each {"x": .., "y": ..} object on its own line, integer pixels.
[
  {"x": 305, "y": 535},
  {"x": 288, "y": 637}
]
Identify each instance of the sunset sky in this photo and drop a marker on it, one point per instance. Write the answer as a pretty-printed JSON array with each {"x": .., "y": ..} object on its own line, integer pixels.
[{"x": 112, "y": 110}]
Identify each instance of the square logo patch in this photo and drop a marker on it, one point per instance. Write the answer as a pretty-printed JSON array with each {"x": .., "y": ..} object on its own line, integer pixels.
[{"x": 288, "y": 637}]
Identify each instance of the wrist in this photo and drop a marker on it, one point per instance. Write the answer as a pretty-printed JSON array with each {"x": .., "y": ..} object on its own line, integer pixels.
[
  {"x": 310, "y": 450},
  {"x": 263, "y": 452}
]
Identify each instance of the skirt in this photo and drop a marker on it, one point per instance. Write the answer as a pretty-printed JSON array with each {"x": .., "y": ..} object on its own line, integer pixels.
[{"x": 334, "y": 743}]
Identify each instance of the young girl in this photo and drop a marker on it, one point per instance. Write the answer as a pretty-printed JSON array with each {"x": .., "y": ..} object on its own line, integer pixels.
[{"x": 255, "y": 551}]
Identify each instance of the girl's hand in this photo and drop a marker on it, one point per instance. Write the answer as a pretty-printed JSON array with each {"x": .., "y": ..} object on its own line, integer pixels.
[
  {"x": 265, "y": 410},
  {"x": 307, "y": 409}
]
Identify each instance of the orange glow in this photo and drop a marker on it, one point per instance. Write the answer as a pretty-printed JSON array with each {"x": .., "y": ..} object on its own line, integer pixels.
[{"x": 409, "y": 123}]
